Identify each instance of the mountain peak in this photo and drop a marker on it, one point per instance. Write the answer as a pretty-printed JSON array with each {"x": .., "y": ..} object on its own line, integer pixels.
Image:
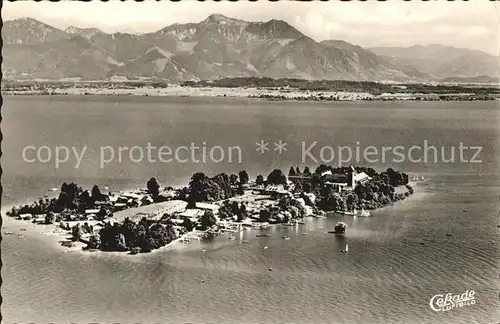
[
  {"x": 27, "y": 22},
  {"x": 29, "y": 31},
  {"x": 275, "y": 29},
  {"x": 221, "y": 19},
  {"x": 84, "y": 32}
]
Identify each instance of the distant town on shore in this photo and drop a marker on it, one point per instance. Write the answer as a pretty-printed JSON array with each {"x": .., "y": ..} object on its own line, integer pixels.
[
  {"x": 142, "y": 220},
  {"x": 261, "y": 88}
]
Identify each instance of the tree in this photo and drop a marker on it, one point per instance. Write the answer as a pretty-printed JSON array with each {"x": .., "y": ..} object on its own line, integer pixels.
[
  {"x": 202, "y": 188},
  {"x": 94, "y": 242},
  {"x": 182, "y": 193},
  {"x": 160, "y": 234},
  {"x": 221, "y": 185},
  {"x": 233, "y": 178},
  {"x": 243, "y": 175},
  {"x": 242, "y": 213},
  {"x": 153, "y": 187},
  {"x": 351, "y": 199},
  {"x": 68, "y": 197},
  {"x": 317, "y": 181},
  {"x": 76, "y": 233},
  {"x": 321, "y": 168},
  {"x": 306, "y": 172},
  {"x": 259, "y": 180},
  {"x": 240, "y": 190},
  {"x": 96, "y": 194},
  {"x": 120, "y": 243},
  {"x": 297, "y": 171},
  {"x": 276, "y": 177},
  {"x": 101, "y": 214},
  {"x": 291, "y": 172},
  {"x": 264, "y": 215},
  {"x": 129, "y": 229},
  {"x": 197, "y": 186},
  {"x": 298, "y": 188},
  {"x": 146, "y": 243},
  {"x": 207, "y": 220},
  {"x": 84, "y": 201},
  {"x": 49, "y": 218},
  {"x": 188, "y": 224}
]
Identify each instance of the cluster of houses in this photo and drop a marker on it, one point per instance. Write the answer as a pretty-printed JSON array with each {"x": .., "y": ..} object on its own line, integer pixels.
[{"x": 338, "y": 181}]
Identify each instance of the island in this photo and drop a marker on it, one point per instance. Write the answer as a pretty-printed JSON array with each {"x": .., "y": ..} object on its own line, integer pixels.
[{"x": 143, "y": 220}]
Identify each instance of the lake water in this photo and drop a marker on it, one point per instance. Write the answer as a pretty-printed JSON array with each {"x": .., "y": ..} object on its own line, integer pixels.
[{"x": 388, "y": 276}]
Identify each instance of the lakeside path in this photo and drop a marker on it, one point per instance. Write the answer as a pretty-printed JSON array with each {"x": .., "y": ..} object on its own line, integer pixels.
[{"x": 243, "y": 92}]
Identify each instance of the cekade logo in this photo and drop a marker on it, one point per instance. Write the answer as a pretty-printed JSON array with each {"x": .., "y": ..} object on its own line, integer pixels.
[{"x": 443, "y": 303}]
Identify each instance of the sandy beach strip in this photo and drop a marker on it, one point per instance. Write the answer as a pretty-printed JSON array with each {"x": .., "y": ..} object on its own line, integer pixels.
[{"x": 56, "y": 235}]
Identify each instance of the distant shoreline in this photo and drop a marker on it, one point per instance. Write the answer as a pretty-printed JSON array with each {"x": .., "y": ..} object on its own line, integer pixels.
[{"x": 268, "y": 94}]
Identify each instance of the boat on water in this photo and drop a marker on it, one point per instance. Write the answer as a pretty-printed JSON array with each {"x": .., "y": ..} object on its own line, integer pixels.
[
  {"x": 339, "y": 228},
  {"x": 355, "y": 212},
  {"x": 184, "y": 240},
  {"x": 362, "y": 213},
  {"x": 346, "y": 249},
  {"x": 53, "y": 189},
  {"x": 260, "y": 225},
  {"x": 263, "y": 235},
  {"x": 8, "y": 233},
  {"x": 449, "y": 234}
]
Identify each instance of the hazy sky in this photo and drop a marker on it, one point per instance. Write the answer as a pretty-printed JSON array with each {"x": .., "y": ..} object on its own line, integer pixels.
[{"x": 472, "y": 24}]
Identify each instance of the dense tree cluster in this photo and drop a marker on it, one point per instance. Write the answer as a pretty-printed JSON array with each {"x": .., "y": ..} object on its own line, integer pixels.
[
  {"x": 276, "y": 177},
  {"x": 229, "y": 210},
  {"x": 377, "y": 192},
  {"x": 207, "y": 220},
  {"x": 144, "y": 236},
  {"x": 287, "y": 209},
  {"x": 296, "y": 172},
  {"x": 243, "y": 176},
  {"x": 71, "y": 198},
  {"x": 289, "y": 204},
  {"x": 205, "y": 189}
]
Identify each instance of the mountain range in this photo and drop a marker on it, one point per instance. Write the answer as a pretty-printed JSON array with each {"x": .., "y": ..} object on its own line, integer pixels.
[{"x": 220, "y": 47}]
